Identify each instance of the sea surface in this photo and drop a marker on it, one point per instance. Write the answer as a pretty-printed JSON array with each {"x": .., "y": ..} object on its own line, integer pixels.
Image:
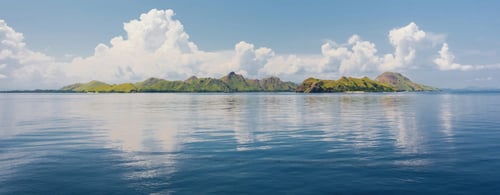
[{"x": 250, "y": 143}]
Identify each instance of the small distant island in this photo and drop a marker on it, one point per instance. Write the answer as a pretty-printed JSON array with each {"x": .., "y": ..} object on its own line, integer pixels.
[{"x": 232, "y": 82}]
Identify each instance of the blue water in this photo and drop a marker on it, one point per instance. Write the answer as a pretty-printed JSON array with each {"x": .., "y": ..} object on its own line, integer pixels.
[{"x": 252, "y": 143}]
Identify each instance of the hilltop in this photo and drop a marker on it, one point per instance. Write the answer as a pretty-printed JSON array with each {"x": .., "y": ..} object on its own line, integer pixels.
[
  {"x": 402, "y": 83},
  {"x": 386, "y": 82}
]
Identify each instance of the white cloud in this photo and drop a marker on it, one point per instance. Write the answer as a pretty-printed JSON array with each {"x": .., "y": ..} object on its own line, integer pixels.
[
  {"x": 288, "y": 65},
  {"x": 20, "y": 67},
  {"x": 357, "y": 57},
  {"x": 353, "y": 57},
  {"x": 364, "y": 55},
  {"x": 156, "y": 45},
  {"x": 248, "y": 60},
  {"x": 446, "y": 59},
  {"x": 404, "y": 40}
]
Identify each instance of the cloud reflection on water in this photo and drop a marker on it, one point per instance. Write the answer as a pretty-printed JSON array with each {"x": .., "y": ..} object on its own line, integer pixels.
[
  {"x": 446, "y": 115},
  {"x": 256, "y": 119},
  {"x": 359, "y": 114},
  {"x": 399, "y": 110},
  {"x": 132, "y": 126},
  {"x": 142, "y": 126}
]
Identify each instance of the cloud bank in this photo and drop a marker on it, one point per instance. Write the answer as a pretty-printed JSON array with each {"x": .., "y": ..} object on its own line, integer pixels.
[
  {"x": 156, "y": 45},
  {"x": 21, "y": 67}
]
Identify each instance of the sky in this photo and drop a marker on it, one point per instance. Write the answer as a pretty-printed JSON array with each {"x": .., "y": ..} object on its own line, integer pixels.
[{"x": 52, "y": 43}]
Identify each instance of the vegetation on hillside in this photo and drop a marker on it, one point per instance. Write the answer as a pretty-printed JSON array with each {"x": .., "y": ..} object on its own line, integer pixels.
[
  {"x": 386, "y": 82},
  {"x": 402, "y": 83},
  {"x": 344, "y": 84},
  {"x": 230, "y": 83}
]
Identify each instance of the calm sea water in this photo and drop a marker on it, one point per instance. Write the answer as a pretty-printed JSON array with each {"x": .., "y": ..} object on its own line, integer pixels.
[{"x": 257, "y": 143}]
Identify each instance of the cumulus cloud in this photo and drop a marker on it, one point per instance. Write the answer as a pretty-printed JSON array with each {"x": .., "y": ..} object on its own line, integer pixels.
[
  {"x": 349, "y": 58},
  {"x": 405, "y": 41},
  {"x": 446, "y": 59},
  {"x": 355, "y": 56},
  {"x": 283, "y": 65},
  {"x": 248, "y": 60},
  {"x": 21, "y": 67},
  {"x": 156, "y": 45}
]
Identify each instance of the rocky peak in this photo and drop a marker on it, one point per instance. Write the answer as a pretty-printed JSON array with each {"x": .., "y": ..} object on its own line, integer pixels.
[
  {"x": 192, "y": 78},
  {"x": 401, "y": 83}
]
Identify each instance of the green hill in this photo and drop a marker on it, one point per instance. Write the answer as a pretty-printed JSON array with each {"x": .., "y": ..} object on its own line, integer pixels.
[
  {"x": 275, "y": 84},
  {"x": 402, "y": 83},
  {"x": 344, "y": 84},
  {"x": 230, "y": 83},
  {"x": 386, "y": 82},
  {"x": 194, "y": 84},
  {"x": 123, "y": 88},
  {"x": 92, "y": 86},
  {"x": 237, "y": 83}
]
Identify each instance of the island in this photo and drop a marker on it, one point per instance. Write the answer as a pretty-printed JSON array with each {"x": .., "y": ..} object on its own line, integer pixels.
[
  {"x": 386, "y": 82},
  {"x": 232, "y": 82}
]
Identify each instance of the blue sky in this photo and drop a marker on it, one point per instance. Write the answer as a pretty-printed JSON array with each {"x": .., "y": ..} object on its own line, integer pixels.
[{"x": 64, "y": 30}]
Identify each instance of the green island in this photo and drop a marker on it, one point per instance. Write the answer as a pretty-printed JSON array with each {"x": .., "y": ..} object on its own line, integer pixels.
[
  {"x": 386, "y": 82},
  {"x": 230, "y": 83}
]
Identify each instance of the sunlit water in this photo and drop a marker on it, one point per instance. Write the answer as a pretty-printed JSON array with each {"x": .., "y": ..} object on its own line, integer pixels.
[{"x": 257, "y": 143}]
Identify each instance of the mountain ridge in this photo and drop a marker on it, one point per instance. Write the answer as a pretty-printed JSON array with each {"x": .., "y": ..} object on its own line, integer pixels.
[
  {"x": 386, "y": 82},
  {"x": 232, "y": 82}
]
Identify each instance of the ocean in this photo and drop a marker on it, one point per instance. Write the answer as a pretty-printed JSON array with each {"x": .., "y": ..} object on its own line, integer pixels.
[{"x": 250, "y": 143}]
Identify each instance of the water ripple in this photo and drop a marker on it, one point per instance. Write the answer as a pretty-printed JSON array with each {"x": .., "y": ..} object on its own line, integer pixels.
[{"x": 256, "y": 142}]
